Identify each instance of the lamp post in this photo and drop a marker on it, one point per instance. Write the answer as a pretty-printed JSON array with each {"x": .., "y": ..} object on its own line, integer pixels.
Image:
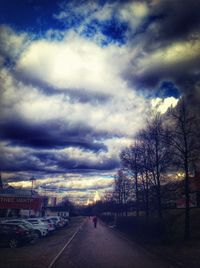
[
  {"x": 45, "y": 201},
  {"x": 32, "y": 180}
]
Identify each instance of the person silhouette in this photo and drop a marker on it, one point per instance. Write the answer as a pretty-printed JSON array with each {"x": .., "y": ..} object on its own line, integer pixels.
[{"x": 95, "y": 221}]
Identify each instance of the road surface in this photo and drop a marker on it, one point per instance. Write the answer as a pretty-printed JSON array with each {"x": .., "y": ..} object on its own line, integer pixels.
[{"x": 102, "y": 248}]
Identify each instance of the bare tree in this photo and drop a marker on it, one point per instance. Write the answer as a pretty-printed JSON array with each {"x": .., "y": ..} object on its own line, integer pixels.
[
  {"x": 130, "y": 159},
  {"x": 157, "y": 155},
  {"x": 109, "y": 202},
  {"x": 144, "y": 172},
  {"x": 122, "y": 191},
  {"x": 185, "y": 150}
]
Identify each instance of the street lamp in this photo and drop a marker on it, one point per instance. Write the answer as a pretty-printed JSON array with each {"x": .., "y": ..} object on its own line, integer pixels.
[{"x": 32, "y": 180}]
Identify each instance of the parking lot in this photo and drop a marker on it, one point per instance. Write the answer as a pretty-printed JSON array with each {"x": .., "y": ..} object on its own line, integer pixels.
[{"x": 40, "y": 253}]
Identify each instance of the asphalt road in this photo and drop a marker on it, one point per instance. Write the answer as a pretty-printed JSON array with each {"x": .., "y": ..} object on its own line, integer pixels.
[
  {"x": 102, "y": 247},
  {"x": 41, "y": 253}
]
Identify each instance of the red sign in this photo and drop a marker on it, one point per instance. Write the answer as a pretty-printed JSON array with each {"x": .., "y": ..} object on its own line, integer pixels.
[{"x": 12, "y": 202}]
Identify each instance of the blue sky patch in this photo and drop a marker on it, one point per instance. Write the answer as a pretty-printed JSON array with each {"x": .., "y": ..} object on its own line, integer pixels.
[
  {"x": 113, "y": 31},
  {"x": 168, "y": 89},
  {"x": 29, "y": 15}
]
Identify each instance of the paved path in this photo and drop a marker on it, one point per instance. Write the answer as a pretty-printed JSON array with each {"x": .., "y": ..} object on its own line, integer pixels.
[{"x": 102, "y": 248}]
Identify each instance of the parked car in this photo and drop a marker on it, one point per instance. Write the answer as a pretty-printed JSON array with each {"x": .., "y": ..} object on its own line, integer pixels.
[
  {"x": 37, "y": 222},
  {"x": 39, "y": 231},
  {"x": 50, "y": 224},
  {"x": 66, "y": 221},
  {"x": 57, "y": 220},
  {"x": 14, "y": 235}
]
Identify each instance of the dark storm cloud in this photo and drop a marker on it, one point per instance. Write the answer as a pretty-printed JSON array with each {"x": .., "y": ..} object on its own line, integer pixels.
[
  {"x": 179, "y": 20},
  {"x": 51, "y": 162},
  {"x": 168, "y": 23},
  {"x": 20, "y": 162},
  {"x": 108, "y": 164},
  {"x": 49, "y": 135},
  {"x": 183, "y": 73},
  {"x": 41, "y": 148}
]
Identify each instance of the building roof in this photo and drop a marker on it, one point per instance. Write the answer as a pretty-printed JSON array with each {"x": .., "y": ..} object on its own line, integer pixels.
[{"x": 18, "y": 192}]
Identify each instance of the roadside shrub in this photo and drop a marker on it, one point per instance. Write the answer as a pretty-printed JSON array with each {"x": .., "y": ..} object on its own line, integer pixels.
[{"x": 141, "y": 227}]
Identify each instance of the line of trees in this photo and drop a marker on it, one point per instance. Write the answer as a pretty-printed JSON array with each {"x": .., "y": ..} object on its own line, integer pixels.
[{"x": 168, "y": 143}]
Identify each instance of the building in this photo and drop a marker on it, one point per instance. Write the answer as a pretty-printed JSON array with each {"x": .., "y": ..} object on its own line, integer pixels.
[
  {"x": 57, "y": 211},
  {"x": 19, "y": 202},
  {"x": 52, "y": 201}
]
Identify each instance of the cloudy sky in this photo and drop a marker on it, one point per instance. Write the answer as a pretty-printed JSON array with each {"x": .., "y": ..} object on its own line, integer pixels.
[{"x": 79, "y": 78}]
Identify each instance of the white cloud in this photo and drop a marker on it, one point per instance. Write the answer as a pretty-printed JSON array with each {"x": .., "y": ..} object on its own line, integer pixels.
[
  {"x": 76, "y": 187},
  {"x": 162, "y": 105},
  {"x": 114, "y": 116},
  {"x": 131, "y": 12},
  {"x": 12, "y": 44},
  {"x": 134, "y": 13},
  {"x": 75, "y": 63},
  {"x": 114, "y": 147}
]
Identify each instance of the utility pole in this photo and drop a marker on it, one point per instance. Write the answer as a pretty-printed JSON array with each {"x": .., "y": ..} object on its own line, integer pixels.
[
  {"x": 32, "y": 180},
  {"x": 1, "y": 183}
]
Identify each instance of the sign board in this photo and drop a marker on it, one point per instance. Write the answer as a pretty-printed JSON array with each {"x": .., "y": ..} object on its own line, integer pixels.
[{"x": 13, "y": 202}]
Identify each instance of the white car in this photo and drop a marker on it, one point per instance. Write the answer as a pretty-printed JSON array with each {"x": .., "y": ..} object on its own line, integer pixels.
[
  {"x": 37, "y": 222},
  {"x": 57, "y": 220},
  {"x": 50, "y": 224},
  {"x": 39, "y": 231}
]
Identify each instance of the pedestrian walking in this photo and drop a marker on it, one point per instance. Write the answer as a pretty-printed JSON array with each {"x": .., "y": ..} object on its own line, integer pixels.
[{"x": 95, "y": 221}]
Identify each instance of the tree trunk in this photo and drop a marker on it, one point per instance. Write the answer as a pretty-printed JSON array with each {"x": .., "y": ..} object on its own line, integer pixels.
[
  {"x": 147, "y": 196},
  {"x": 137, "y": 201},
  {"x": 158, "y": 184},
  {"x": 187, "y": 204},
  {"x": 160, "y": 214}
]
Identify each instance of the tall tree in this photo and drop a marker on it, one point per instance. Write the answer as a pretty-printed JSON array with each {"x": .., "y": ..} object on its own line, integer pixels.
[
  {"x": 144, "y": 172},
  {"x": 185, "y": 149},
  {"x": 155, "y": 139},
  {"x": 122, "y": 191},
  {"x": 1, "y": 183},
  {"x": 130, "y": 159}
]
